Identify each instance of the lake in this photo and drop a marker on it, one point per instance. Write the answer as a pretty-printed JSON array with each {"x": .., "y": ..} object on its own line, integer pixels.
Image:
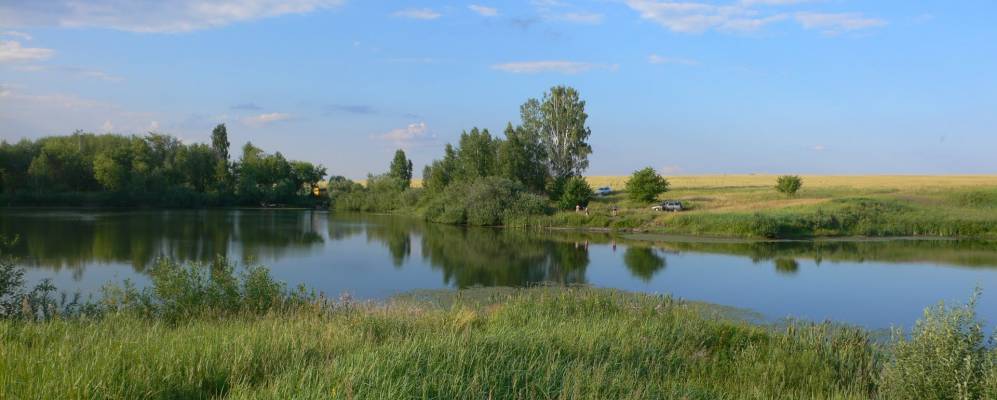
[{"x": 875, "y": 284}]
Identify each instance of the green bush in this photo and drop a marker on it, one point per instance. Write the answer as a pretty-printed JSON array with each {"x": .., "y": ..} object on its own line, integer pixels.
[
  {"x": 946, "y": 357},
  {"x": 645, "y": 185},
  {"x": 382, "y": 194},
  {"x": 576, "y": 192},
  {"x": 788, "y": 184},
  {"x": 484, "y": 202},
  {"x": 183, "y": 292}
]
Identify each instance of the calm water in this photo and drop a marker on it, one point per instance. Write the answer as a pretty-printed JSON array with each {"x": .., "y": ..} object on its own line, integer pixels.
[{"x": 875, "y": 284}]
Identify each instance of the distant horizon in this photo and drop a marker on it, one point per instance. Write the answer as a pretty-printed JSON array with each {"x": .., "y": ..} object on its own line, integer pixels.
[{"x": 842, "y": 88}]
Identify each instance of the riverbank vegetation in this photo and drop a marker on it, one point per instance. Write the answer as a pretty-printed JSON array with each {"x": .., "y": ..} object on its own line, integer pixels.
[
  {"x": 215, "y": 331},
  {"x": 486, "y": 180},
  {"x": 85, "y": 169}
]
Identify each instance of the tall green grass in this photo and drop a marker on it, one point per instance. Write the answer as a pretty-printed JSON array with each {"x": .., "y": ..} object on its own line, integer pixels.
[{"x": 211, "y": 331}]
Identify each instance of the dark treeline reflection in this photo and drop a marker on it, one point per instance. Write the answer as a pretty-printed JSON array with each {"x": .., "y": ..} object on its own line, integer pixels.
[
  {"x": 482, "y": 256},
  {"x": 462, "y": 256},
  {"x": 75, "y": 239}
]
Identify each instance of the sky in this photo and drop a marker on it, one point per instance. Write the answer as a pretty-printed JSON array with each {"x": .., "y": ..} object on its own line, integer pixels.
[{"x": 707, "y": 87}]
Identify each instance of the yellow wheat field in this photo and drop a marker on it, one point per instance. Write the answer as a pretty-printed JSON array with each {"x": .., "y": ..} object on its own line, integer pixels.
[
  {"x": 812, "y": 181},
  {"x": 809, "y": 181}
]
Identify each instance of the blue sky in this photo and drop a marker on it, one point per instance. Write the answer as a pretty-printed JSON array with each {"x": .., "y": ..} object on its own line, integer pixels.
[{"x": 733, "y": 86}]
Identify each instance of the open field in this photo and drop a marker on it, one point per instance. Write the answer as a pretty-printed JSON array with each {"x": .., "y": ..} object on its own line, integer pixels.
[{"x": 749, "y": 206}]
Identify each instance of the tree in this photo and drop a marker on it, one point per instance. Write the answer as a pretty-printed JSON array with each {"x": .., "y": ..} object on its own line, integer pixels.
[
  {"x": 645, "y": 185},
  {"x": 520, "y": 158},
  {"x": 307, "y": 176},
  {"x": 789, "y": 184},
  {"x": 558, "y": 121},
  {"x": 401, "y": 169},
  {"x": 576, "y": 192},
  {"x": 220, "y": 146},
  {"x": 440, "y": 173},
  {"x": 476, "y": 155}
]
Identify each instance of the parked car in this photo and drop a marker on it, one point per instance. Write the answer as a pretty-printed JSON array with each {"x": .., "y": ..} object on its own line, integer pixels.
[
  {"x": 604, "y": 191},
  {"x": 668, "y": 205}
]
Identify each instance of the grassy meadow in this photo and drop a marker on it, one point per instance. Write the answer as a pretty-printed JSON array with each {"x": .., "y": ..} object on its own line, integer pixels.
[
  {"x": 215, "y": 332},
  {"x": 749, "y": 206}
]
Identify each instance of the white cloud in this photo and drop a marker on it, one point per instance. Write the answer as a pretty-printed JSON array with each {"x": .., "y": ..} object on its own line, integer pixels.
[
  {"x": 564, "y": 67},
  {"x": 16, "y": 34},
  {"x": 819, "y": 147},
  {"x": 410, "y": 135},
  {"x": 656, "y": 59},
  {"x": 417, "y": 13},
  {"x": 832, "y": 24},
  {"x": 107, "y": 127},
  {"x": 743, "y": 16},
  {"x": 266, "y": 118},
  {"x": 152, "y": 16},
  {"x": 74, "y": 71},
  {"x": 484, "y": 10},
  {"x": 688, "y": 17},
  {"x": 11, "y": 51},
  {"x": 580, "y": 17},
  {"x": 774, "y": 2}
]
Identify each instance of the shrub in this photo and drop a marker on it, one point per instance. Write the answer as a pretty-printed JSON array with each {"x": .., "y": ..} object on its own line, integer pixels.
[
  {"x": 183, "y": 292},
  {"x": 577, "y": 192},
  {"x": 645, "y": 185},
  {"x": 486, "y": 201},
  {"x": 789, "y": 184},
  {"x": 944, "y": 358}
]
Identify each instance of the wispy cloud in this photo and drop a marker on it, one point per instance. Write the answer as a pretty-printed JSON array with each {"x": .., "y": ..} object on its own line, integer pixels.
[
  {"x": 774, "y": 2},
  {"x": 413, "y": 134},
  {"x": 417, "y": 13},
  {"x": 12, "y": 52},
  {"x": 818, "y": 148},
  {"x": 744, "y": 16},
  {"x": 247, "y": 107},
  {"x": 700, "y": 17},
  {"x": 266, "y": 119},
  {"x": 484, "y": 11},
  {"x": 152, "y": 16},
  {"x": 656, "y": 59},
  {"x": 79, "y": 72},
  {"x": 360, "y": 109},
  {"x": 833, "y": 24},
  {"x": 16, "y": 34},
  {"x": 564, "y": 67}
]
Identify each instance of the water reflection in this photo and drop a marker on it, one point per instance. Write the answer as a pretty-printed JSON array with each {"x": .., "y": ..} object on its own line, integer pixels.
[
  {"x": 867, "y": 282},
  {"x": 643, "y": 262}
]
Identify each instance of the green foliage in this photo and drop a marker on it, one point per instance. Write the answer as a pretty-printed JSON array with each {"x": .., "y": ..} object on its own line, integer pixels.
[
  {"x": 558, "y": 121},
  {"x": 576, "y": 192},
  {"x": 789, "y": 184},
  {"x": 476, "y": 155},
  {"x": 946, "y": 357},
  {"x": 439, "y": 174},
  {"x": 484, "y": 202},
  {"x": 521, "y": 158},
  {"x": 185, "y": 292},
  {"x": 154, "y": 169},
  {"x": 401, "y": 170},
  {"x": 382, "y": 194},
  {"x": 645, "y": 185}
]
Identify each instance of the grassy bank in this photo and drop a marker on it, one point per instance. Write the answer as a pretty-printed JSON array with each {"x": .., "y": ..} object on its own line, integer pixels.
[
  {"x": 212, "y": 332},
  {"x": 749, "y": 206}
]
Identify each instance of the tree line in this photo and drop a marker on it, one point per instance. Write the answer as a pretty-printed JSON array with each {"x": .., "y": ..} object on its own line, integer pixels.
[
  {"x": 491, "y": 180},
  {"x": 155, "y": 169}
]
